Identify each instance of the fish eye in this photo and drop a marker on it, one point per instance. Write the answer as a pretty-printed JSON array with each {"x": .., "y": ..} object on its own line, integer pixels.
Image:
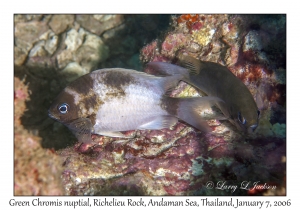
[
  {"x": 258, "y": 113},
  {"x": 241, "y": 118},
  {"x": 64, "y": 108}
]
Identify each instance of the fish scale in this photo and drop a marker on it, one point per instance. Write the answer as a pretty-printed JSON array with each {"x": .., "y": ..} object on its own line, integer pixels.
[{"x": 140, "y": 104}]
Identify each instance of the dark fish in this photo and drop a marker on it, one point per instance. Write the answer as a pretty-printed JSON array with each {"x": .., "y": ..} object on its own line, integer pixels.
[
  {"x": 216, "y": 80},
  {"x": 108, "y": 101}
]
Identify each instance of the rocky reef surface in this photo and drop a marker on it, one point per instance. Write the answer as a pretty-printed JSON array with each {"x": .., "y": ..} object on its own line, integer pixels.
[
  {"x": 52, "y": 50},
  {"x": 37, "y": 171}
]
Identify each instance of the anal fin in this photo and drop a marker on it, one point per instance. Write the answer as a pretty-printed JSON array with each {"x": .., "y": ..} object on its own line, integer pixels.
[{"x": 116, "y": 134}]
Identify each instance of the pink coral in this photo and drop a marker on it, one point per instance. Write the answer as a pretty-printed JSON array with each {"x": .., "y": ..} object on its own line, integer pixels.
[{"x": 173, "y": 43}]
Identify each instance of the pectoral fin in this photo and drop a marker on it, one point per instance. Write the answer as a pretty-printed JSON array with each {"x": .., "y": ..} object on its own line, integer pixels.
[
  {"x": 189, "y": 110},
  {"x": 82, "y": 129}
]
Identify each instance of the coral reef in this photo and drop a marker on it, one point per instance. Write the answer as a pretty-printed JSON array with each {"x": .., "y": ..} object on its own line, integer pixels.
[
  {"x": 37, "y": 171},
  {"x": 176, "y": 161}
]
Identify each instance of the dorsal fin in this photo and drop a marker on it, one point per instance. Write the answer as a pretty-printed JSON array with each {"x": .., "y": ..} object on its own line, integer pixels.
[
  {"x": 190, "y": 63},
  {"x": 163, "y": 68}
]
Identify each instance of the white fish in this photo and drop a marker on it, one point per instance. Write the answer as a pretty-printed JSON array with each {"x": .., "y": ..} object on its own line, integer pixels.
[{"x": 108, "y": 101}]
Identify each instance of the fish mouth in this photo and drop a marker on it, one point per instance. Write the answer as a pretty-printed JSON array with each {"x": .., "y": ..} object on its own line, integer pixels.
[
  {"x": 51, "y": 115},
  {"x": 252, "y": 128}
]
